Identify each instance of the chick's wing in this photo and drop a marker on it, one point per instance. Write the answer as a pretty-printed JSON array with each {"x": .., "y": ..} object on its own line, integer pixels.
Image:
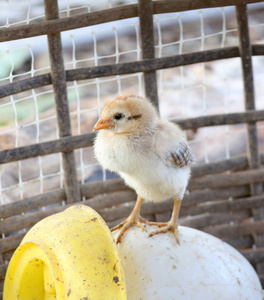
[{"x": 182, "y": 156}]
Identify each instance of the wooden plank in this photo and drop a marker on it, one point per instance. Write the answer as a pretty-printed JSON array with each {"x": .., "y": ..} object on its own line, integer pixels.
[
  {"x": 88, "y": 190},
  {"x": 204, "y": 221},
  {"x": 3, "y": 269},
  {"x": 35, "y": 202},
  {"x": 241, "y": 242},
  {"x": 261, "y": 277},
  {"x": 228, "y": 231},
  {"x": 58, "y": 78},
  {"x": 254, "y": 255},
  {"x": 191, "y": 200},
  {"x": 225, "y": 206},
  {"x": 207, "y": 194},
  {"x": 8, "y": 255},
  {"x": 231, "y": 164},
  {"x": 91, "y": 189},
  {"x": 1, "y": 288},
  {"x": 228, "y": 180},
  {"x": 19, "y": 222},
  {"x": 11, "y": 242},
  {"x": 101, "y": 203},
  {"x": 151, "y": 208},
  {"x": 199, "y": 221}
]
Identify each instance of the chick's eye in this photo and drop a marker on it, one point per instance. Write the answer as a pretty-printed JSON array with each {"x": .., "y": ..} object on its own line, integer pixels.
[{"x": 118, "y": 116}]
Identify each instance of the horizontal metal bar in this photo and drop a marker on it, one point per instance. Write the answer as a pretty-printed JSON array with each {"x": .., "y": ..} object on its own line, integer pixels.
[
  {"x": 223, "y": 119},
  {"x": 69, "y": 23},
  {"x": 67, "y": 144},
  {"x": 153, "y": 64},
  {"x": 64, "y": 144},
  {"x": 161, "y": 7},
  {"x": 25, "y": 85},
  {"x": 127, "y": 68},
  {"x": 108, "y": 15}
]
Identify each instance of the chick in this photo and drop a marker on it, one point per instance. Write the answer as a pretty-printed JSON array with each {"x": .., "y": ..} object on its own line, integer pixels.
[{"x": 149, "y": 153}]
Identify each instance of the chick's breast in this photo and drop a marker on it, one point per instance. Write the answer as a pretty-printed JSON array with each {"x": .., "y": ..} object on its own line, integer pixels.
[
  {"x": 115, "y": 153},
  {"x": 142, "y": 165}
]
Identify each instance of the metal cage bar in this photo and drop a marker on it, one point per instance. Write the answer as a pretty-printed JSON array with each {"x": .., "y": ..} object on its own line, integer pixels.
[
  {"x": 148, "y": 48},
  {"x": 109, "y": 15},
  {"x": 247, "y": 69},
  {"x": 249, "y": 99},
  {"x": 70, "y": 143},
  {"x": 58, "y": 77},
  {"x": 146, "y": 65}
]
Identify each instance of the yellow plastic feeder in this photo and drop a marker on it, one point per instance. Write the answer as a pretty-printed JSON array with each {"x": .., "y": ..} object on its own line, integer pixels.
[{"x": 69, "y": 255}]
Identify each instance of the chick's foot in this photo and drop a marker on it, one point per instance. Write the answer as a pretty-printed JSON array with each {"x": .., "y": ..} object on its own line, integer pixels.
[
  {"x": 172, "y": 225},
  {"x": 165, "y": 227},
  {"x": 132, "y": 220}
]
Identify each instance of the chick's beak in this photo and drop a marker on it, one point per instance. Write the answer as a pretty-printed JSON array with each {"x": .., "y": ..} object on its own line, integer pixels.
[{"x": 103, "y": 124}]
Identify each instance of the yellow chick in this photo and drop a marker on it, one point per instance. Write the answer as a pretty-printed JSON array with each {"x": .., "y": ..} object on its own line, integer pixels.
[{"x": 151, "y": 154}]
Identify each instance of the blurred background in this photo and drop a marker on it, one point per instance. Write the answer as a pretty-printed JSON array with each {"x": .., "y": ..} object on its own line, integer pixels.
[{"x": 190, "y": 91}]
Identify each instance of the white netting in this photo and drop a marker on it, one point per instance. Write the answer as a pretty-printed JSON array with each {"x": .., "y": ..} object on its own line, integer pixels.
[{"x": 196, "y": 90}]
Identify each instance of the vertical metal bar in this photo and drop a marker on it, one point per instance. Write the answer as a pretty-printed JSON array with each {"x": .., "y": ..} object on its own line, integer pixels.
[
  {"x": 246, "y": 60},
  {"x": 60, "y": 91},
  {"x": 249, "y": 95},
  {"x": 145, "y": 11}
]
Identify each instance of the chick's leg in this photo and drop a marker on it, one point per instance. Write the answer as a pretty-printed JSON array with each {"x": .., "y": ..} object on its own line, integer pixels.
[
  {"x": 133, "y": 219},
  {"x": 172, "y": 225}
]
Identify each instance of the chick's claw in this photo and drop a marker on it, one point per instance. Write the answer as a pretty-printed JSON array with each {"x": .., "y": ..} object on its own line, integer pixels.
[
  {"x": 165, "y": 227},
  {"x": 129, "y": 222}
]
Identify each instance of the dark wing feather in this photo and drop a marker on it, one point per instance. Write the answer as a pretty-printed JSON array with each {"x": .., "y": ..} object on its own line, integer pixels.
[{"x": 182, "y": 156}]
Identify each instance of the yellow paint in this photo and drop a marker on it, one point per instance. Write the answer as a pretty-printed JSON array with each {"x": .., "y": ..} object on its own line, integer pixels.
[{"x": 69, "y": 255}]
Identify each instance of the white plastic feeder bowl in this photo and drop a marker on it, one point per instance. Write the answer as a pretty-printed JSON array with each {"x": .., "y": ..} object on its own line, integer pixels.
[{"x": 201, "y": 267}]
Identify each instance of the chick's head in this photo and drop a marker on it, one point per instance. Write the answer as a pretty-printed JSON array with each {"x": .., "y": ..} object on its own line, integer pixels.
[{"x": 127, "y": 114}]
